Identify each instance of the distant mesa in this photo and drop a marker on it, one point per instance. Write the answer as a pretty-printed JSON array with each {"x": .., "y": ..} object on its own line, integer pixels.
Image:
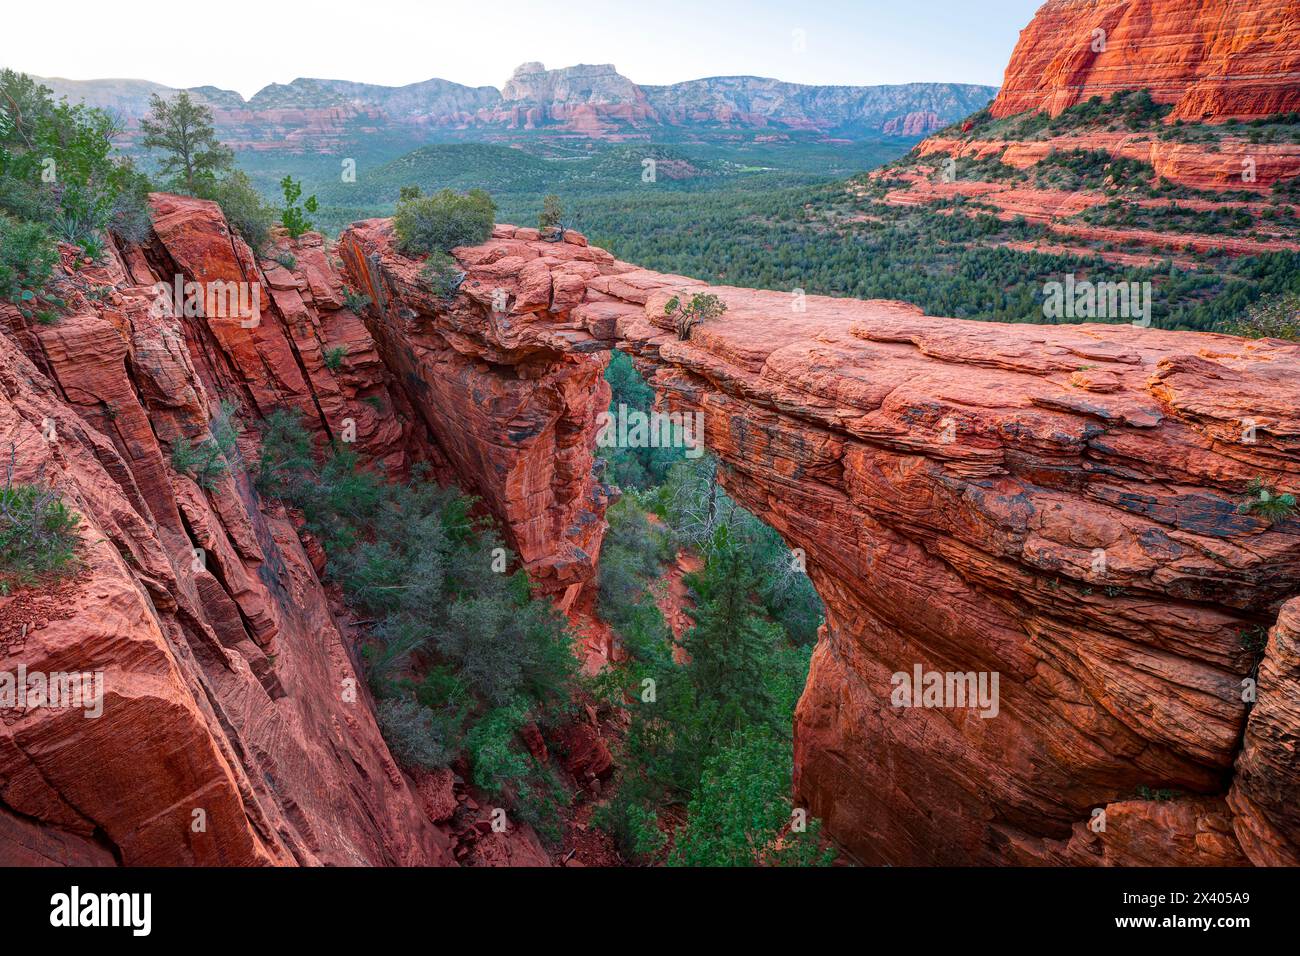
[{"x": 586, "y": 99}]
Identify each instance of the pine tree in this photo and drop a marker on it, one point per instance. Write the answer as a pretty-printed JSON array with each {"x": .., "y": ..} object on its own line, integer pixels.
[
  {"x": 731, "y": 645},
  {"x": 183, "y": 130}
]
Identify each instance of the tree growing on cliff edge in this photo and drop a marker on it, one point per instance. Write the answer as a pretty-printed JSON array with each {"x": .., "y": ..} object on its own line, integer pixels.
[
  {"x": 182, "y": 129},
  {"x": 551, "y": 221},
  {"x": 199, "y": 165},
  {"x": 701, "y": 307}
]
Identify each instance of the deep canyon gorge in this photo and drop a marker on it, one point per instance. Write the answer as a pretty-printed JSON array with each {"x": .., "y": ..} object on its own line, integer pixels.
[
  {"x": 1059, "y": 505},
  {"x": 973, "y": 550}
]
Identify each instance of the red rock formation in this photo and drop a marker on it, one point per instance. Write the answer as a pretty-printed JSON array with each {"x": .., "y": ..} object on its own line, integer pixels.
[
  {"x": 510, "y": 395},
  {"x": 1211, "y": 58},
  {"x": 1053, "y": 209},
  {"x": 236, "y": 727},
  {"x": 1187, "y": 831},
  {"x": 584, "y": 98},
  {"x": 586, "y": 755},
  {"x": 913, "y": 124},
  {"x": 977, "y": 554},
  {"x": 1218, "y": 165},
  {"x": 938, "y": 174},
  {"x": 1267, "y": 819},
  {"x": 319, "y": 115},
  {"x": 952, "y": 484}
]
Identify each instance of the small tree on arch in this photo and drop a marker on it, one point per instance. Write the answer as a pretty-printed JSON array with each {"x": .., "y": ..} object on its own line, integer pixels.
[
  {"x": 551, "y": 221},
  {"x": 701, "y": 307}
]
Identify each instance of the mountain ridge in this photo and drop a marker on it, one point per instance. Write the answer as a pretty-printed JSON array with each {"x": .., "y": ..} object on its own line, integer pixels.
[{"x": 590, "y": 99}]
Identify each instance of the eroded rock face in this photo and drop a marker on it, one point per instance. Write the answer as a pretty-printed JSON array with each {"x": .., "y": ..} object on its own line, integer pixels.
[
  {"x": 1268, "y": 768},
  {"x": 1209, "y": 166},
  {"x": 1082, "y": 222},
  {"x": 510, "y": 391},
  {"x": 236, "y": 728},
  {"x": 1056, "y": 505},
  {"x": 1053, "y": 505},
  {"x": 1211, "y": 58}
]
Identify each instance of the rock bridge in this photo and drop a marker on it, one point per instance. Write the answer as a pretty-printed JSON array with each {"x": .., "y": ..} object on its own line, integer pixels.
[{"x": 1054, "y": 504}]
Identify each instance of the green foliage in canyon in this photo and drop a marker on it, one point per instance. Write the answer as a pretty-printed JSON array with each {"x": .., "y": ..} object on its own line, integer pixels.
[
  {"x": 207, "y": 459},
  {"x": 1129, "y": 110},
  {"x": 686, "y": 495},
  {"x": 434, "y": 225},
  {"x": 694, "y": 724},
  {"x": 38, "y": 533},
  {"x": 634, "y": 468},
  {"x": 1077, "y": 169},
  {"x": 463, "y": 655},
  {"x": 243, "y": 207},
  {"x": 698, "y": 727},
  {"x": 294, "y": 217},
  {"x": 739, "y": 804},
  {"x": 334, "y": 357},
  {"x": 1237, "y": 222}
]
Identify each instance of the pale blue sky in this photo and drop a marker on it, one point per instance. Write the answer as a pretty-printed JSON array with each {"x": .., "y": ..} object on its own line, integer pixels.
[{"x": 245, "y": 44}]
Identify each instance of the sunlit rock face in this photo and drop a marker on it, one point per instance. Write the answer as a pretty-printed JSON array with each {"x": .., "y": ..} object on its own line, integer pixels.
[
  {"x": 1054, "y": 507},
  {"x": 508, "y": 383},
  {"x": 1211, "y": 58},
  {"x": 1057, "y": 506}
]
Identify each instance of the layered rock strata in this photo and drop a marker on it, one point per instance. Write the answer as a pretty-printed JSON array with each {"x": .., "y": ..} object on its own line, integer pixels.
[
  {"x": 1210, "y": 58},
  {"x": 235, "y": 727},
  {"x": 1056, "y": 505}
]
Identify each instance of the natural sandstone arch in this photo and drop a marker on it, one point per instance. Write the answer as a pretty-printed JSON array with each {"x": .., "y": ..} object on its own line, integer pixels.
[
  {"x": 952, "y": 483},
  {"x": 833, "y": 425}
]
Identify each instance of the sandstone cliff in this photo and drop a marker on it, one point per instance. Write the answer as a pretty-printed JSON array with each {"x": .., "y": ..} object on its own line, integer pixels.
[
  {"x": 1164, "y": 161},
  {"x": 952, "y": 484},
  {"x": 1211, "y": 58},
  {"x": 236, "y": 727}
]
